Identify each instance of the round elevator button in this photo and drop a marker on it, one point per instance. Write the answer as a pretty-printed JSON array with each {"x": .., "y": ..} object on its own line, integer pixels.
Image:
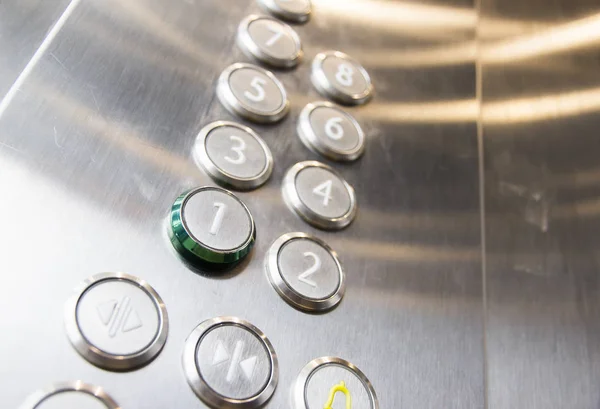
[
  {"x": 70, "y": 395},
  {"x": 233, "y": 155},
  {"x": 252, "y": 93},
  {"x": 319, "y": 195},
  {"x": 211, "y": 225},
  {"x": 295, "y": 11},
  {"x": 330, "y": 383},
  {"x": 269, "y": 41},
  {"x": 338, "y": 76},
  {"x": 230, "y": 363},
  {"x": 305, "y": 272},
  {"x": 116, "y": 321}
]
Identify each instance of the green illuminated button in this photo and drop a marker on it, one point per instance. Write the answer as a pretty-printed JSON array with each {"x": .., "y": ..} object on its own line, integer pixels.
[{"x": 211, "y": 225}]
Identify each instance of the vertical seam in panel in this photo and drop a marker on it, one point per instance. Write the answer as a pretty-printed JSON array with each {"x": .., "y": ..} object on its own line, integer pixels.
[
  {"x": 37, "y": 56},
  {"x": 481, "y": 172}
]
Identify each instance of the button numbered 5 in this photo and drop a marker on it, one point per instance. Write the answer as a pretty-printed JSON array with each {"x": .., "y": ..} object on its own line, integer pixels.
[
  {"x": 233, "y": 155},
  {"x": 269, "y": 41},
  {"x": 252, "y": 93},
  {"x": 319, "y": 195},
  {"x": 330, "y": 131},
  {"x": 338, "y": 76}
]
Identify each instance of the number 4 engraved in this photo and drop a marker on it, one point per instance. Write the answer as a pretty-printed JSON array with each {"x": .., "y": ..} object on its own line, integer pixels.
[{"x": 324, "y": 189}]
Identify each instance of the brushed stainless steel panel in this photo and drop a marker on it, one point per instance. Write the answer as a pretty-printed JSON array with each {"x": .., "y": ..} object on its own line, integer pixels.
[
  {"x": 541, "y": 118},
  {"x": 98, "y": 143}
]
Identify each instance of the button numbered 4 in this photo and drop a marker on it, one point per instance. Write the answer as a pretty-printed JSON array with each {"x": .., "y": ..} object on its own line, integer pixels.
[
  {"x": 252, "y": 93},
  {"x": 319, "y": 195},
  {"x": 233, "y": 155},
  {"x": 295, "y": 11},
  {"x": 269, "y": 41},
  {"x": 328, "y": 130},
  {"x": 305, "y": 272},
  {"x": 340, "y": 77}
]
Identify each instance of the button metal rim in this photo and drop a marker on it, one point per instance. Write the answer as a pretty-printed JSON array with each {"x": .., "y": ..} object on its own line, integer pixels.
[
  {"x": 253, "y": 50},
  {"x": 95, "y": 355},
  {"x": 310, "y": 139},
  {"x": 98, "y": 392},
  {"x": 325, "y": 87},
  {"x": 291, "y": 296},
  {"x": 236, "y": 107},
  {"x": 201, "y": 157},
  {"x": 272, "y": 7},
  {"x": 299, "y": 388},
  {"x": 293, "y": 200},
  {"x": 201, "y": 387},
  {"x": 186, "y": 244}
]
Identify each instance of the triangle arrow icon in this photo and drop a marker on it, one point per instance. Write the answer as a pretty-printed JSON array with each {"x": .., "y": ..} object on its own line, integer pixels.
[
  {"x": 132, "y": 322},
  {"x": 248, "y": 367},
  {"x": 105, "y": 311},
  {"x": 221, "y": 354}
]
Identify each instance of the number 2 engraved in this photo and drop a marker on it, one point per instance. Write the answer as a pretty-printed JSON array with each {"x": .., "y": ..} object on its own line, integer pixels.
[
  {"x": 239, "y": 149},
  {"x": 311, "y": 270},
  {"x": 216, "y": 224}
]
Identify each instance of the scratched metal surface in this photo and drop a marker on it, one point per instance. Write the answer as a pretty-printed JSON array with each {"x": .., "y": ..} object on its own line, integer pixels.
[
  {"x": 540, "y": 120},
  {"x": 96, "y": 145}
]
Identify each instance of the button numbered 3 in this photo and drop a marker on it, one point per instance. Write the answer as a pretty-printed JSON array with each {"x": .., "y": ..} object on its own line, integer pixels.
[
  {"x": 252, "y": 93},
  {"x": 295, "y": 11},
  {"x": 269, "y": 41},
  {"x": 305, "y": 272},
  {"x": 319, "y": 195},
  {"x": 233, "y": 155},
  {"x": 330, "y": 131},
  {"x": 340, "y": 77}
]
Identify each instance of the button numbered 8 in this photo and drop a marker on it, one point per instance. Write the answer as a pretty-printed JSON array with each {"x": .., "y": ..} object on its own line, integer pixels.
[
  {"x": 269, "y": 41},
  {"x": 338, "y": 76},
  {"x": 252, "y": 93}
]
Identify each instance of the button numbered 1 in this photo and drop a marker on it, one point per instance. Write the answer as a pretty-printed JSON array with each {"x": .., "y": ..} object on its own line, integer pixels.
[
  {"x": 295, "y": 11},
  {"x": 252, "y": 93},
  {"x": 328, "y": 130},
  {"x": 270, "y": 41},
  {"x": 233, "y": 155},
  {"x": 211, "y": 225},
  {"x": 319, "y": 195},
  {"x": 305, "y": 272},
  {"x": 338, "y": 76}
]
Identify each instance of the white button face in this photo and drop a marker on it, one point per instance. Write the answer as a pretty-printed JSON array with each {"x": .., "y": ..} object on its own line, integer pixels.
[
  {"x": 296, "y": 11},
  {"x": 228, "y": 362},
  {"x": 319, "y": 195},
  {"x": 234, "y": 155},
  {"x": 328, "y": 130},
  {"x": 331, "y": 383},
  {"x": 305, "y": 272},
  {"x": 116, "y": 321},
  {"x": 253, "y": 93},
  {"x": 338, "y": 76},
  {"x": 270, "y": 41}
]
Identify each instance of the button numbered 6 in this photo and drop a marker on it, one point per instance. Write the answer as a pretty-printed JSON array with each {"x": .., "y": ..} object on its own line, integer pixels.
[
  {"x": 252, "y": 93},
  {"x": 328, "y": 130},
  {"x": 269, "y": 41},
  {"x": 338, "y": 76},
  {"x": 233, "y": 155},
  {"x": 319, "y": 195}
]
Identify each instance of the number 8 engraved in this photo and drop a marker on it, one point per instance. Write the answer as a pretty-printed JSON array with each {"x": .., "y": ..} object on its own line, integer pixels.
[{"x": 344, "y": 74}]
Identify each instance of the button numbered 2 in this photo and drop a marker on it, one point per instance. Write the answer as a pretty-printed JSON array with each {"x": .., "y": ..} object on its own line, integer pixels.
[
  {"x": 233, "y": 155},
  {"x": 269, "y": 41},
  {"x": 319, "y": 195},
  {"x": 305, "y": 272},
  {"x": 330, "y": 131},
  {"x": 338, "y": 76},
  {"x": 252, "y": 93}
]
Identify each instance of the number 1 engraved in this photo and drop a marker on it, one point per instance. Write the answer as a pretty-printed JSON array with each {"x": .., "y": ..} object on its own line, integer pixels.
[{"x": 216, "y": 224}]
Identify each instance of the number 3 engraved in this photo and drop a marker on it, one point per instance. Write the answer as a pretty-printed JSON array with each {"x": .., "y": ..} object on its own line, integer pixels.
[
  {"x": 311, "y": 270},
  {"x": 239, "y": 149}
]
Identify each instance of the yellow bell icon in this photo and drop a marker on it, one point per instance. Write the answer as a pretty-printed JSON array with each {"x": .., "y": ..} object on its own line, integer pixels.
[{"x": 341, "y": 387}]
